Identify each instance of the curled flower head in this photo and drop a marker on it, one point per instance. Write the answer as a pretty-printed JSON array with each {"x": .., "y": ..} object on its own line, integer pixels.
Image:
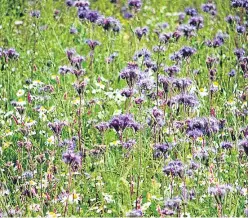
[
  {"x": 109, "y": 23},
  {"x": 188, "y": 30},
  {"x": 161, "y": 149},
  {"x": 191, "y": 11},
  {"x": 136, "y": 4},
  {"x": 123, "y": 121},
  {"x": 72, "y": 159},
  {"x": 129, "y": 144},
  {"x": 141, "y": 31},
  {"x": 103, "y": 126},
  {"x": 174, "y": 168},
  {"x": 143, "y": 53},
  {"x": 92, "y": 43},
  {"x": 172, "y": 70},
  {"x": 219, "y": 190},
  {"x": 209, "y": 8},
  {"x": 130, "y": 74},
  {"x": 57, "y": 126},
  {"x": 80, "y": 86},
  {"x": 197, "y": 22},
  {"x": 206, "y": 125}
]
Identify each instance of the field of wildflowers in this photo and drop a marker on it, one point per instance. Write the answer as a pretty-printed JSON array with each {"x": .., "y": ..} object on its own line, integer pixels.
[{"x": 114, "y": 108}]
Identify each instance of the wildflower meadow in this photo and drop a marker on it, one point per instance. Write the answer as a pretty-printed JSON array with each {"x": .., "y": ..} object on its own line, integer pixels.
[{"x": 123, "y": 108}]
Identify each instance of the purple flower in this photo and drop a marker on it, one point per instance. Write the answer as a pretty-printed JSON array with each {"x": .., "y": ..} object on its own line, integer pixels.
[
  {"x": 226, "y": 145},
  {"x": 69, "y": 3},
  {"x": 232, "y": 73},
  {"x": 207, "y": 125},
  {"x": 185, "y": 99},
  {"x": 209, "y": 8},
  {"x": 187, "y": 51},
  {"x": 92, "y": 43},
  {"x": 123, "y": 121},
  {"x": 109, "y": 23},
  {"x": 181, "y": 83},
  {"x": 82, "y": 4},
  {"x": 72, "y": 159},
  {"x": 196, "y": 21},
  {"x": 136, "y": 4},
  {"x": 219, "y": 190},
  {"x": 244, "y": 145},
  {"x": 73, "y": 30},
  {"x": 127, "y": 92},
  {"x": 65, "y": 69},
  {"x": 161, "y": 149},
  {"x": 172, "y": 70},
  {"x": 130, "y": 74},
  {"x": 143, "y": 53},
  {"x": 135, "y": 213},
  {"x": 187, "y": 30},
  {"x": 129, "y": 144},
  {"x": 239, "y": 52},
  {"x": 191, "y": 11},
  {"x": 11, "y": 53},
  {"x": 174, "y": 203},
  {"x": 57, "y": 127},
  {"x": 159, "y": 49},
  {"x": 195, "y": 133},
  {"x": 80, "y": 86},
  {"x": 35, "y": 13},
  {"x": 70, "y": 143},
  {"x": 165, "y": 37},
  {"x": 92, "y": 16},
  {"x": 102, "y": 127},
  {"x": 112, "y": 57},
  {"x": 141, "y": 31},
  {"x": 181, "y": 17},
  {"x": 157, "y": 118},
  {"x": 240, "y": 29},
  {"x": 239, "y": 3},
  {"x": 174, "y": 168},
  {"x": 165, "y": 81}
]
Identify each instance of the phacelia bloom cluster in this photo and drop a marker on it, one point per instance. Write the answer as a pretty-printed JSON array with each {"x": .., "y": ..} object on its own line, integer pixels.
[
  {"x": 136, "y": 4},
  {"x": 143, "y": 53},
  {"x": 160, "y": 150},
  {"x": 9, "y": 54},
  {"x": 187, "y": 30},
  {"x": 219, "y": 190},
  {"x": 130, "y": 74},
  {"x": 129, "y": 144},
  {"x": 217, "y": 41},
  {"x": 102, "y": 127},
  {"x": 181, "y": 83},
  {"x": 206, "y": 125},
  {"x": 120, "y": 122},
  {"x": 209, "y": 8},
  {"x": 57, "y": 127},
  {"x": 184, "y": 99},
  {"x": 109, "y": 23},
  {"x": 197, "y": 22},
  {"x": 92, "y": 43},
  {"x": 141, "y": 31},
  {"x": 183, "y": 53},
  {"x": 191, "y": 11},
  {"x": 172, "y": 70},
  {"x": 72, "y": 159},
  {"x": 35, "y": 13},
  {"x": 157, "y": 118},
  {"x": 174, "y": 168},
  {"x": 239, "y": 4},
  {"x": 165, "y": 37}
]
